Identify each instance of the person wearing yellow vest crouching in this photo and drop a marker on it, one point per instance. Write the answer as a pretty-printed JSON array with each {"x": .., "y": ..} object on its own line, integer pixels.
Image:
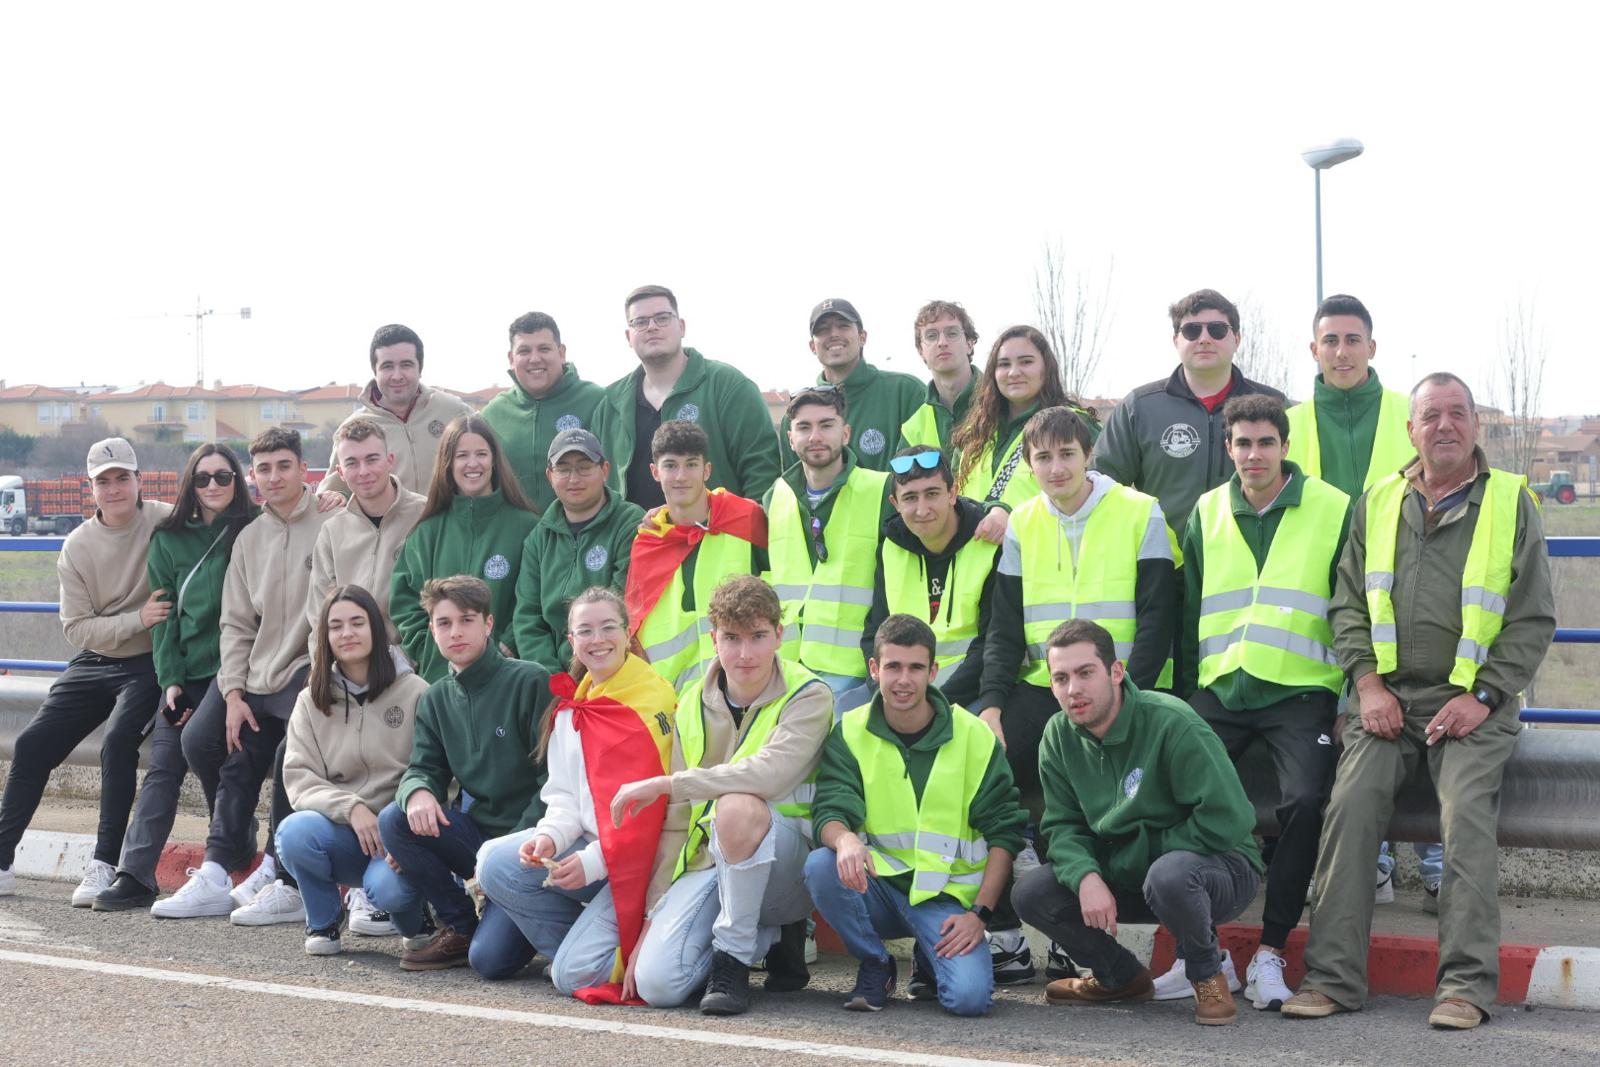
[
  {"x": 918, "y": 818},
  {"x": 728, "y": 872},
  {"x": 1442, "y": 613},
  {"x": 1260, "y": 554},
  {"x": 823, "y": 519}
]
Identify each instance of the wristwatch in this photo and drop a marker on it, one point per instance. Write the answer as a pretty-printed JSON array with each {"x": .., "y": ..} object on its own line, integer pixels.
[
  {"x": 1484, "y": 697},
  {"x": 984, "y": 914}
]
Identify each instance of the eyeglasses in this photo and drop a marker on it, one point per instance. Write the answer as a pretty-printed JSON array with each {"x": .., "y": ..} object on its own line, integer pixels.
[
  {"x": 580, "y": 470},
  {"x": 660, "y": 318},
  {"x": 928, "y": 461},
  {"x": 205, "y": 478},
  {"x": 1217, "y": 330},
  {"x": 609, "y": 630},
  {"x": 950, "y": 333},
  {"x": 816, "y": 540}
]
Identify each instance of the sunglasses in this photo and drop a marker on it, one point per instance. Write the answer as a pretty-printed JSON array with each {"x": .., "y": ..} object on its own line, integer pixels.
[
  {"x": 926, "y": 460},
  {"x": 205, "y": 478},
  {"x": 1217, "y": 330}
]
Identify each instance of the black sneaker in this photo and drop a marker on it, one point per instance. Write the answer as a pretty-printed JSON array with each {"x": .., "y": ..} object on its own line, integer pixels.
[
  {"x": 1012, "y": 966},
  {"x": 728, "y": 988},
  {"x": 1058, "y": 964},
  {"x": 326, "y": 941},
  {"x": 124, "y": 894},
  {"x": 874, "y": 983},
  {"x": 786, "y": 961},
  {"x": 924, "y": 983}
]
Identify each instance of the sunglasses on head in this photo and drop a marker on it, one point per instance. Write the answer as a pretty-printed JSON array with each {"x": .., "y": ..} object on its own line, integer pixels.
[
  {"x": 1217, "y": 330},
  {"x": 926, "y": 460},
  {"x": 205, "y": 478}
]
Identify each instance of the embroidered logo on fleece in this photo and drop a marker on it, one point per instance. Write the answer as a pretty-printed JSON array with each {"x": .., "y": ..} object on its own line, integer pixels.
[{"x": 1130, "y": 784}]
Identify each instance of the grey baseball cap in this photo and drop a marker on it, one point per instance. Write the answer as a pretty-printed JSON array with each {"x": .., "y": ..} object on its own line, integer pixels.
[
  {"x": 112, "y": 452},
  {"x": 576, "y": 441}
]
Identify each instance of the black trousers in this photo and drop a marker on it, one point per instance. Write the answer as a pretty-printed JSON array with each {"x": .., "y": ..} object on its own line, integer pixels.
[
  {"x": 1299, "y": 734},
  {"x": 94, "y": 689}
]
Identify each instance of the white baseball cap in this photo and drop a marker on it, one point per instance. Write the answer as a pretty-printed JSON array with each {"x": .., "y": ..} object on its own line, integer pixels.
[{"x": 112, "y": 452}]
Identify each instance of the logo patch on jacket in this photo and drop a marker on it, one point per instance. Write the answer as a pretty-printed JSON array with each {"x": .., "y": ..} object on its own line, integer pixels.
[
  {"x": 872, "y": 442},
  {"x": 568, "y": 422},
  {"x": 499, "y": 731},
  {"x": 596, "y": 557},
  {"x": 1130, "y": 784},
  {"x": 1179, "y": 440},
  {"x": 436, "y": 428},
  {"x": 308, "y": 561},
  {"x": 393, "y": 717},
  {"x": 496, "y": 567},
  {"x": 689, "y": 413}
]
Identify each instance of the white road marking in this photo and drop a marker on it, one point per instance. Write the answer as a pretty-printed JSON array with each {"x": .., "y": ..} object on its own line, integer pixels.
[{"x": 527, "y": 1018}]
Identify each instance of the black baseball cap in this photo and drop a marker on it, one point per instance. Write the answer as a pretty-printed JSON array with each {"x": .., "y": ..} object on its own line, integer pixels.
[
  {"x": 576, "y": 441},
  {"x": 836, "y": 307}
]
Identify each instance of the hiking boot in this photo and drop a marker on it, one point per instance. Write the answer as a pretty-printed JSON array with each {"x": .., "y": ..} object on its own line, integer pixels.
[
  {"x": 447, "y": 949},
  {"x": 124, "y": 894},
  {"x": 1309, "y": 1004},
  {"x": 1174, "y": 985},
  {"x": 874, "y": 983},
  {"x": 1090, "y": 991},
  {"x": 786, "y": 960},
  {"x": 1213, "y": 1004},
  {"x": 1453, "y": 1013},
  {"x": 728, "y": 988}
]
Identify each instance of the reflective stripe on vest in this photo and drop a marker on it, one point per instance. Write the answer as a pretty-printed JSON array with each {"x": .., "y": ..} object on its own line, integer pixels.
[
  {"x": 905, "y": 587},
  {"x": 1485, "y": 577},
  {"x": 933, "y": 839},
  {"x": 676, "y": 642},
  {"x": 1391, "y": 443},
  {"x": 690, "y": 725},
  {"x": 1273, "y": 625},
  {"x": 825, "y": 609},
  {"x": 1101, "y": 588}
]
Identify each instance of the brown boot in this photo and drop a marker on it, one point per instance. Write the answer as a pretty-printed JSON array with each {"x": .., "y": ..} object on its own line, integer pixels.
[
  {"x": 1213, "y": 1004},
  {"x": 1090, "y": 991},
  {"x": 447, "y": 949}
]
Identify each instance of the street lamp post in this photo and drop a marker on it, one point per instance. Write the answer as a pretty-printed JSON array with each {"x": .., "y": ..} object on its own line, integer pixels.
[{"x": 1321, "y": 158}]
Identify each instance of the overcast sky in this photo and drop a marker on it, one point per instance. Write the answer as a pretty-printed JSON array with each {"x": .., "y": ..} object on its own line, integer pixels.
[{"x": 338, "y": 166}]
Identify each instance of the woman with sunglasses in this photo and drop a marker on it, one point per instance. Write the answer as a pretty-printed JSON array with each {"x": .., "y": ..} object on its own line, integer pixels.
[
  {"x": 1021, "y": 377},
  {"x": 474, "y": 523},
  {"x": 188, "y": 558},
  {"x": 550, "y": 889}
]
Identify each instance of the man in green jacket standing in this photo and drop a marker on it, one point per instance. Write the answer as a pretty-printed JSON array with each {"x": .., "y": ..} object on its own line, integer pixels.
[
  {"x": 1146, "y": 822},
  {"x": 678, "y": 383},
  {"x": 585, "y": 541},
  {"x": 546, "y": 398},
  {"x": 879, "y": 401}
]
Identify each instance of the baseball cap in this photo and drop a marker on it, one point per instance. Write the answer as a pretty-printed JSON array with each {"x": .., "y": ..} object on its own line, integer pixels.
[
  {"x": 836, "y": 307},
  {"x": 576, "y": 441},
  {"x": 112, "y": 452}
]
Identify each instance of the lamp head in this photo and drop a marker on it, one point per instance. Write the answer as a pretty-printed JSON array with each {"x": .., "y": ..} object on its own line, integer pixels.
[{"x": 1332, "y": 154}]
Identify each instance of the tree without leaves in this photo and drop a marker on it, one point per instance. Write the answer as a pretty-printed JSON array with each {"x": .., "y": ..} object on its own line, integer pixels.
[
  {"x": 1516, "y": 386},
  {"x": 1074, "y": 314},
  {"x": 1263, "y": 354}
]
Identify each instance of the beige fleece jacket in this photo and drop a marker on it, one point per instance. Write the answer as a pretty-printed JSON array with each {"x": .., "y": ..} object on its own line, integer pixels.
[
  {"x": 414, "y": 442},
  {"x": 103, "y": 583},
  {"x": 790, "y": 756},
  {"x": 353, "y": 755},
  {"x": 264, "y": 630},
  {"x": 352, "y": 551}
]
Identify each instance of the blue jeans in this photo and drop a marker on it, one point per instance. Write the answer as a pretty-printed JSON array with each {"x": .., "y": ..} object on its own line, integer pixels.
[
  {"x": 322, "y": 855},
  {"x": 863, "y": 920},
  {"x": 531, "y": 916},
  {"x": 430, "y": 865}
]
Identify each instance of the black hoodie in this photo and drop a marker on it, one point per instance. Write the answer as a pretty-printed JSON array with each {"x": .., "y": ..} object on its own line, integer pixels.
[{"x": 961, "y": 685}]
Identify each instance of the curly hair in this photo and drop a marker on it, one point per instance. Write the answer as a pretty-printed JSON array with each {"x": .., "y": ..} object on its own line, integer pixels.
[{"x": 989, "y": 411}]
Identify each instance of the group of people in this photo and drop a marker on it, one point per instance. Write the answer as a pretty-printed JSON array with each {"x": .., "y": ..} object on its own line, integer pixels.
[{"x": 619, "y": 678}]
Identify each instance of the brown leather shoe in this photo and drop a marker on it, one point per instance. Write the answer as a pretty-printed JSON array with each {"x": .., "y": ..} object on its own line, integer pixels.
[
  {"x": 1453, "y": 1013},
  {"x": 1309, "y": 1004},
  {"x": 1090, "y": 991},
  {"x": 447, "y": 949},
  {"x": 1213, "y": 1004}
]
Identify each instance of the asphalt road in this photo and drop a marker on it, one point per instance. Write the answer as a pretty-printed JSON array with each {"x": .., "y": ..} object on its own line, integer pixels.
[{"x": 81, "y": 987}]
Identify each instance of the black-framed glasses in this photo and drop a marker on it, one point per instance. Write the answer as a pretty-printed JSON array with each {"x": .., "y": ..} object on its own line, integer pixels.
[
  {"x": 928, "y": 461},
  {"x": 816, "y": 540},
  {"x": 205, "y": 478},
  {"x": 1217, "y": 330},
  {"x": 660, "y": 318}
]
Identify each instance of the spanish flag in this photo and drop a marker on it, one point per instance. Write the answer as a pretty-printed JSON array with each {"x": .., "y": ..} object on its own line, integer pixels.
[{"x": 661, "y": 547}]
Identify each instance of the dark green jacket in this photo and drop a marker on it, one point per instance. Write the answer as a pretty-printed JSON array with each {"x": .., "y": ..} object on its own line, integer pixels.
[
  {"x": 945, "y": 418},
  {"x": 876, "y": 403},
  {"x": 994, "y": 810},
  {"x": 556, "y": 566},
  {"x": 1347, "y": 426},
  {"x": 526, "y": 426},
  {"x": 479, "y": 536},
  {"x": 1159, "y": 782},
  {"x": 726, "y": 404},
  {"x": 1239, "y": 691},
  {"x": 796, "y": 478},
  {"x": 187, "y": 644},
  {"x": 480, "y": 727}
]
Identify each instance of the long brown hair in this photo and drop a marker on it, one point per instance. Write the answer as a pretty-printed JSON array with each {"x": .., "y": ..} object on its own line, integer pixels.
[
  {"x": 381, "y": 671},
  {"x": 595, "y": 594},
  {"x": 990, "y": 410},
  {"x": 235, "y": 517},
  {"x": 442, "y": 489}
]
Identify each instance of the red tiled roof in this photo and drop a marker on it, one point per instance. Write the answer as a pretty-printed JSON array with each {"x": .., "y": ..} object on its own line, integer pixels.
[
  {"x": 160, "y": 391},
  {"x": 332, "y": 391},
  {"x": 36, "y": 392},
  {"x": 252, "y": 392}
]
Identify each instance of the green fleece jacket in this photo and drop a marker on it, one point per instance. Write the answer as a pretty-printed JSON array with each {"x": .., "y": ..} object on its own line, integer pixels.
[
  {"x": 557, "y": 565},
  {"x": 480, "y": 727},
  {"x": 187, "y": 644},
  {"x": 726, "y": 404},
  {"x": 1347, "y": 425},
  {"x": 994, "y": 810},
  {"x": 796, "y": 478},
  {"x": 877, "y": 402},
  {"x": 526, "y": 426},
  {"x": 1240, "y": 691},
  {"x": 1160, "y": 781},
  {"x": 945, "y": 418},
  {"x": 480, "y": 536}
]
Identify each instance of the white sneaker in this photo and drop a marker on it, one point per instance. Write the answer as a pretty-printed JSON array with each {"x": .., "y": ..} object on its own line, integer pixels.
[
  {"x": 99, "y": 876},
  {"x": 1385, "y": 892},
  {"x": 1266, "y": 989},
  {"x": 277, "y": 903},
  {"x": 324, "y": 942},
  {"x": 1174, "y": 985},
  {"x": 365, "y": 918},
  {"x": 8, "y": 882},
  {"x": 259, "y": 879},
  {"x": 196, "y": 897}
]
